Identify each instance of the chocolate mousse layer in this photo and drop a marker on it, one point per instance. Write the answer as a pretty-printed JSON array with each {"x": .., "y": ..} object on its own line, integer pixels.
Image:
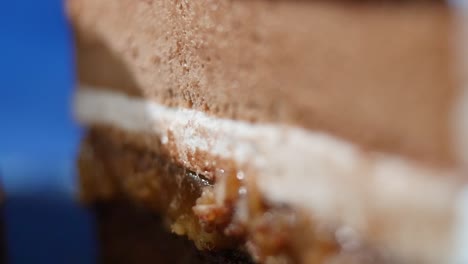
[{"x": 377, "y": 73}]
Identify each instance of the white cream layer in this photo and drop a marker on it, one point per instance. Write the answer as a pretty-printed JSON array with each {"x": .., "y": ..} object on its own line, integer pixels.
[{"x": 404, "y": 207}]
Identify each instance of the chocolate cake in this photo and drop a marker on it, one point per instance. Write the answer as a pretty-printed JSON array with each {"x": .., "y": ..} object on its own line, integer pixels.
[{"x": 277, "y": 131}]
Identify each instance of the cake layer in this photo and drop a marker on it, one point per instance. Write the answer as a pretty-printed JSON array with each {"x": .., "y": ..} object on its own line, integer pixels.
[
  {"x": 378, "y": 74},
  {"x": 225, "y": 215},
  {"x": 403, "y": 207},
  {"x": 110, "y": 170}
]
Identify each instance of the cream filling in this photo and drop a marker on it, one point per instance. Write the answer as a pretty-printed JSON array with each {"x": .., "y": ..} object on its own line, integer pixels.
[{"x": 404, "y": 207}]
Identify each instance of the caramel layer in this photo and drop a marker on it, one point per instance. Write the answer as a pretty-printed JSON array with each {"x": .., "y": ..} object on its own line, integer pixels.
[{"x": 224, "y": 213}]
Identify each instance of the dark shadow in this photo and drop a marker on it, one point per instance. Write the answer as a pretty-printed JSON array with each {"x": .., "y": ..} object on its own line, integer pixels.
[
  {"x": 3, "y": 256},
  {"x": 131, "y": 234},
  {"x": 45, "y": 228},
  {"x": 43, "y": 219}
]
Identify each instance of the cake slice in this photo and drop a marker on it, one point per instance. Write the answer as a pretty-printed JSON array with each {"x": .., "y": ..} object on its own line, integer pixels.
[{"x": 288, "y": 131}]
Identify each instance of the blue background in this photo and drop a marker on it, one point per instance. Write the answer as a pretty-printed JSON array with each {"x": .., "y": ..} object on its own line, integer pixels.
[{"x": 38, "y": 138}]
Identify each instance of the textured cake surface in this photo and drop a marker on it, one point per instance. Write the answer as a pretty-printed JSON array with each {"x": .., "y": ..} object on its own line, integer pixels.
[{"x": 295, "y": 62}]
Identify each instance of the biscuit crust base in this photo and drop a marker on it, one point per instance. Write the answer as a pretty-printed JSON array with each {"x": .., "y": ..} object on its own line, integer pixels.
[{"x": 113, "y": 170}]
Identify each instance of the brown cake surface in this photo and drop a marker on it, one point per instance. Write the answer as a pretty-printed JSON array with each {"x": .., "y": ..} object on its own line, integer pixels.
[{"x": 294, "y": 62}]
